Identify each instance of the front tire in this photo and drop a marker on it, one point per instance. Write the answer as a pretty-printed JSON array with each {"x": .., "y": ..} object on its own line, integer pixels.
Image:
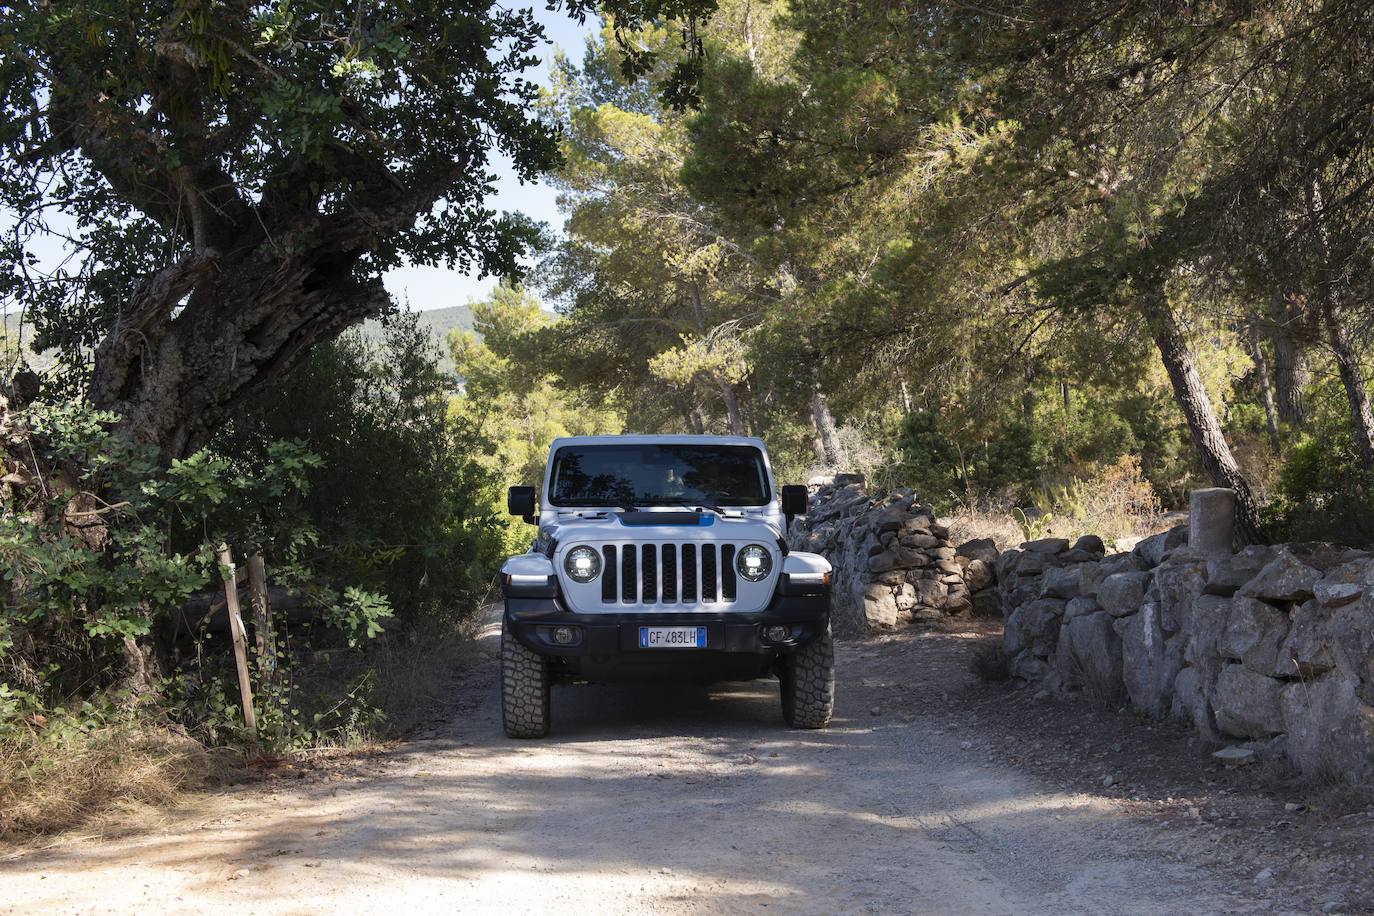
[
  {"x": 808, "y": 683},
  {"x": 524, "y": 690}
]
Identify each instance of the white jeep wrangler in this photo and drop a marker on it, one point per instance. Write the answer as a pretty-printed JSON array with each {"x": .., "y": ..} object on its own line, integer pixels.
[{"x": 663, "y": 558}]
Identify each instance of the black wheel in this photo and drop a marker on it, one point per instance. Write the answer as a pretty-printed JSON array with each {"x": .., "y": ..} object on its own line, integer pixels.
[
  {"x": 808, "y": 683},
  {"x": 524, "y": 690}
]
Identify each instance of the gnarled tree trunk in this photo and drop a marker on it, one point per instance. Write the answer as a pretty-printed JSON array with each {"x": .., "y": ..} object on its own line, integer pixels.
[
  {"x": 1271, "y": 413},
  {"x": 175, "y": 376},
  {"x": 1290, "y": 360},
  {"x": 825, "y": 428},
  {"x": 1191, "y": 395}
]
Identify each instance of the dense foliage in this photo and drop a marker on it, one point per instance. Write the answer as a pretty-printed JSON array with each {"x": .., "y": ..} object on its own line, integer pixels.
[{"x": 1011, "y": 243}]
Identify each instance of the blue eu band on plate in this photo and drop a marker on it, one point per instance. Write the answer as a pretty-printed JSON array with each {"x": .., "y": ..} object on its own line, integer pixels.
[{"x": 672, "y": 637}]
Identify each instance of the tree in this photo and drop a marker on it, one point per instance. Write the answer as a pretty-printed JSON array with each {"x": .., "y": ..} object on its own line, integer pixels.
[
  {"x": 231, "y": 180},
  {"x": 508, "y": 393}
]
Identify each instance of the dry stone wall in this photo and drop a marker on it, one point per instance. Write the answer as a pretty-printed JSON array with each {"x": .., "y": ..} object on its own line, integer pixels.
[
  {"x": 1270, "y": 650},
  {"x": 893, "y": 559}
]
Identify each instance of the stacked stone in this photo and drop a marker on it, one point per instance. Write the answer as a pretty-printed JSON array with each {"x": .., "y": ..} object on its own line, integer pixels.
[
  {"x": 1272, "y": 647},
  {"x": 893, "y": 559}
]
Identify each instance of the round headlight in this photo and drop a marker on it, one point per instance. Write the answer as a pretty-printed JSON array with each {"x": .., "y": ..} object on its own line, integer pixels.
[
  {"x": 582, "y": 564},
  {"x": 754, "y": 562}
]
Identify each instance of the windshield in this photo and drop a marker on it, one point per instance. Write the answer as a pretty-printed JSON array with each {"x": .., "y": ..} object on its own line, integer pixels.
[{"x": 654, "y": 474}]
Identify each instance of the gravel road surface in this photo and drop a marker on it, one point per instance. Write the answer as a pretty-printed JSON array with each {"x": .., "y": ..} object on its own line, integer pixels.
[{"x": 651, "y": 800}]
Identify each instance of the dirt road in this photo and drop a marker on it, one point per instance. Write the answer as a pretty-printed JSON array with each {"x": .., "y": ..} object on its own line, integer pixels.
[{"x": 662, "y": 800}]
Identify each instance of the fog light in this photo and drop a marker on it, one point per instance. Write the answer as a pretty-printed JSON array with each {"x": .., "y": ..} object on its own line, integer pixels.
[
  {"x": 776, "y": 634},
  {"x": 564, "y": 636}
]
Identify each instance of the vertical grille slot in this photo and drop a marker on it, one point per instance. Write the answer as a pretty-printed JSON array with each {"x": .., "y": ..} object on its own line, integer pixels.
[
  {"x": 669, "y": 573},
  {"x": 708, "y": 572},
  {"x": 648, "y": 572},
  {"x": 727, "y": 572},
  {"x": 629, "y": 582},
  {"x": 608, "y": 581},
  {"x": 689, "y": 573}
]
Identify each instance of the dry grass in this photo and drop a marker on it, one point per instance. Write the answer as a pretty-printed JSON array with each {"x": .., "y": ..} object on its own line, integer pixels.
[
  {"x": 54, "y": 782},
  {"x": 415, "y": 678},
  {"x": 1114, "y": 503}
]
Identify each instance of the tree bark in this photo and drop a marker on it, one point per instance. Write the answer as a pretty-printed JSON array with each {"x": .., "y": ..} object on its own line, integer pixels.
[
  {"x": 732, "y": 412},
  {"x": 175, "y": 376},
  {"x": 1191, "y": 395},
  {"x": 1290, "y": 361},
  {"x": 1271, "y": 414},
  {"x": 1347, "y": 360},
  {"x": 1352, "y": 379},
  {"x": 825, "y": 427}
]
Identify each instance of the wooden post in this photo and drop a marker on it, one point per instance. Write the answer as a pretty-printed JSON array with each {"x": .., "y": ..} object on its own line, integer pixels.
[
  {"x": 231, "y": 599},
  {"x": 262, "y": 620}
]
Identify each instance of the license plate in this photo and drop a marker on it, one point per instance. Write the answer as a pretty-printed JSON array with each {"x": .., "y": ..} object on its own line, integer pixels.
[{"x": 672, "y": 637}]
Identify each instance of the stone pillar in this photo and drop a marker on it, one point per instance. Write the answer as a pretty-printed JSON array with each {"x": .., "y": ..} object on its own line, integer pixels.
[{"x": 1211, "y": 521}]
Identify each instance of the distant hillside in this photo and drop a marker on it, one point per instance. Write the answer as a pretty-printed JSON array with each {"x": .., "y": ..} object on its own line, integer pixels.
[
  {"x": 10, "y": 330},
  {"x": 437, "y": 321}
]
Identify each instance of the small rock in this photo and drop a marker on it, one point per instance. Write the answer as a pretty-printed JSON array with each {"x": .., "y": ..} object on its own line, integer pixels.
[
  {"x": 1293, "y": 807},
  {"x": 1333, "y": 906},
  {"x": 1109, "y": 780},
  {"x": 1264, "y": 876},
  {"x": 1235, "y": 755},
  {"x": 966, "y": 745},
  {"x": 1047, "y": 545},
  {"x": 876, "y": 711},
  {"x": 241, "y": 873}
]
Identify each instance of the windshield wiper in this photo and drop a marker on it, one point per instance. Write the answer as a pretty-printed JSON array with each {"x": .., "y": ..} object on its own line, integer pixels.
[{"x": 691, "y": 504}]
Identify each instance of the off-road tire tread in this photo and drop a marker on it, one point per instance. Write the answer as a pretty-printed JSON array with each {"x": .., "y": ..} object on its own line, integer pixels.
[
  {"x": 524, "y": 690},
  {"x": 808, "y": 683}
]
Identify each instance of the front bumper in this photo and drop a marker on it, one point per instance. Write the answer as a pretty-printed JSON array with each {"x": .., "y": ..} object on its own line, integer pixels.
[{"x": 533, "y": 620}]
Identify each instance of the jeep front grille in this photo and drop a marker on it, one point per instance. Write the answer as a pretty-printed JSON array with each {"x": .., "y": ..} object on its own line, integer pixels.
[{"x": 668, "y": 574}]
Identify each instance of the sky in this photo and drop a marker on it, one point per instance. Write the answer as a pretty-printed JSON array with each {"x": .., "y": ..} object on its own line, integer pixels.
[{"x": 424, "y": 288}]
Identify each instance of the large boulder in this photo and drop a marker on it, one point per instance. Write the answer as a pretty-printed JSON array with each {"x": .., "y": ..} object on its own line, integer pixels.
[
  {"x": 1205, "y": 628},
  {"x": 978, "y": 575},
  {"x": 1343, "y": 584},
  {"x": 1247, "y": 705},
  {"x": 1089, "y": 654},
  {"x": 896, "y": 557},
  {"x": 1092, "y": 575},
  {"x": 1149, "y": 659},
  {"x": 1060, "y": 583},
  {"x": 879, "y": 606},
  {"x": 1153, "y": 549},
  {"x": 983, "y": 549},
  {"x": 930, "y": 593},
  {"x": 1225, "y": 575},
  {"x": 1090, "y": 543},
  {"x": 1191, "y": 701},
  {"x": 1078, "y": 607},
  {"x": 1176, "y": 584},
  {"x": 1284, "y": 578},
  {"x": 1330, "y": 730},
  {"x": 1254, "y": 632},
  {"x": 1122, "y": 594},
  {"x": 1340, "y": 640},
  {"x": 1033, "y": 627},
  {"x": 1046, "y": 546}
]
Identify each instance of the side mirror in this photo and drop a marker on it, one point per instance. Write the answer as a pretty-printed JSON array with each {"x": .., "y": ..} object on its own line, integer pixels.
[
  {"x": 520, "y": 501},
  {"x": 793, "y": 502}
]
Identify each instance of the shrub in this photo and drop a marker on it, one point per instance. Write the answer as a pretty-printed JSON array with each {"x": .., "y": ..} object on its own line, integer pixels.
[{"x": 399, "y": 501}]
